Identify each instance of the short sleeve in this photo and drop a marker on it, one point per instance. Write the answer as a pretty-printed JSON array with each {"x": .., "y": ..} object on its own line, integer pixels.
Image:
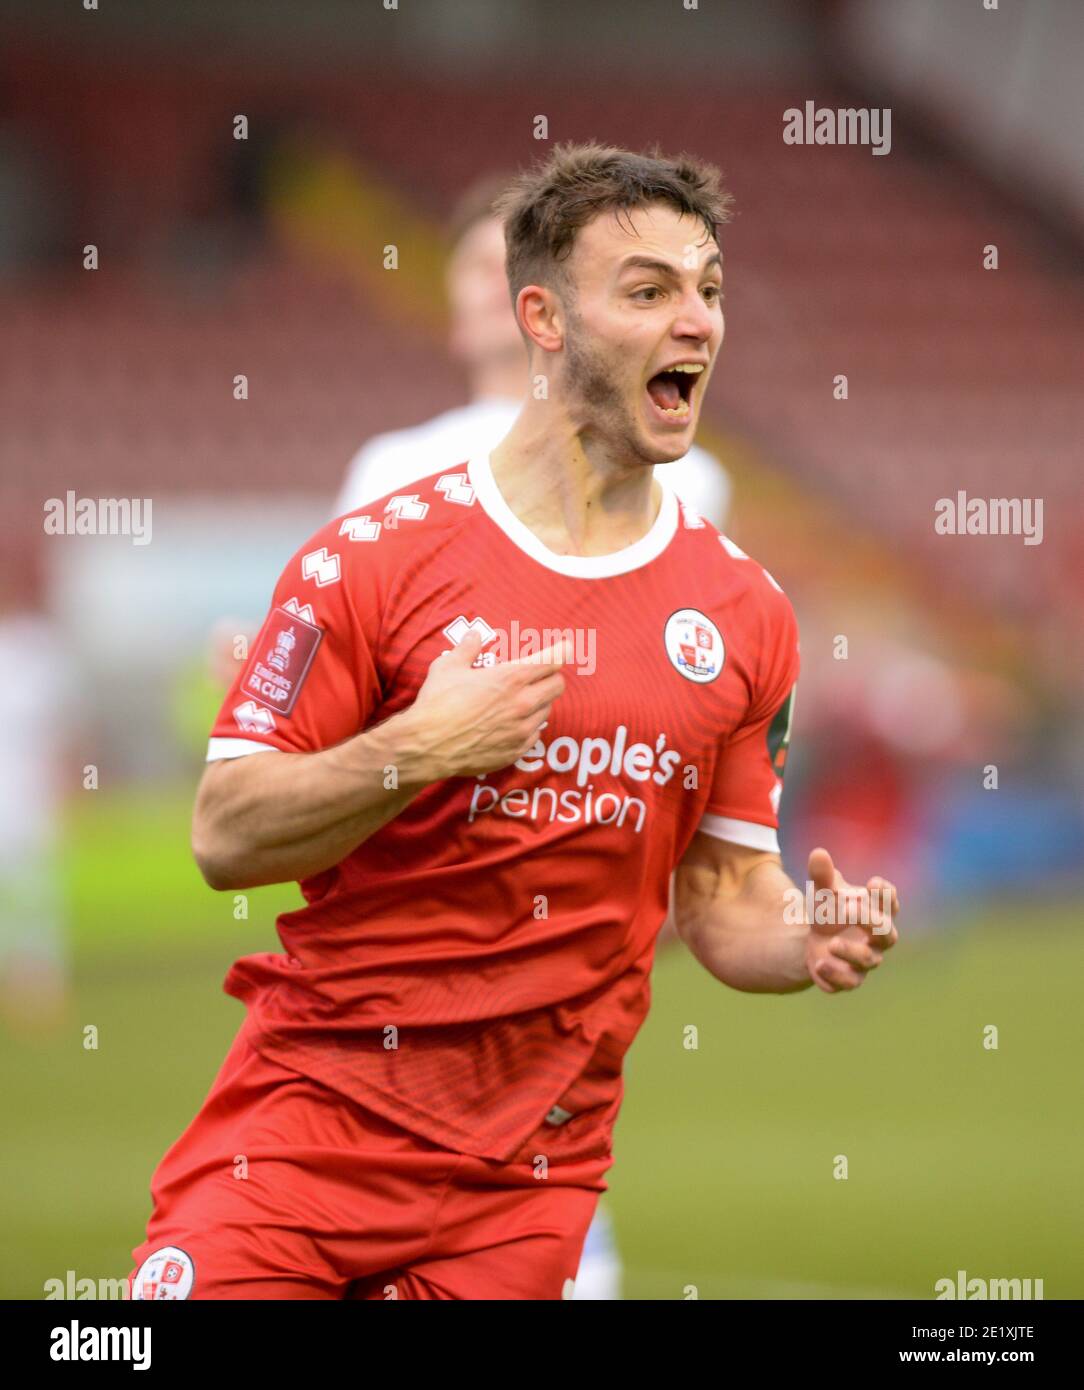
[
  {"x": 310, "y": 680},
  {"x": 743, "y": 806}
]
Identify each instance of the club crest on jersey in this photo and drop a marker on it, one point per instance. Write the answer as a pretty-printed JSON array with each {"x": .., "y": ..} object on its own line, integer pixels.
[
  {"x": 168, "y": 1273},
  {"x": 694, "y": 645}
]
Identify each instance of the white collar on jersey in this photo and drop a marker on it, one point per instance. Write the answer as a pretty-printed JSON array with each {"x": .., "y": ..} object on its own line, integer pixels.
[{"x": 651, "y": 544}]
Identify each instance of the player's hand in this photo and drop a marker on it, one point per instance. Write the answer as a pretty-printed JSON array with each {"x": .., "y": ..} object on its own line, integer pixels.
[
  {"x": 478, "y": 720},
  {"x": 856, "y": 927}
]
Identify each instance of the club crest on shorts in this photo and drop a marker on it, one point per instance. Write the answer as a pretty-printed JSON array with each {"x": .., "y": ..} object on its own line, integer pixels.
[
  {"x": 168, "y": 1273},
  {"x": 694, "y": 645}
]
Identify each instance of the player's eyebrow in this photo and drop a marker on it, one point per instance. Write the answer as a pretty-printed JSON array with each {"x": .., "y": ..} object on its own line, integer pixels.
[{"x": 662, "y": 268}]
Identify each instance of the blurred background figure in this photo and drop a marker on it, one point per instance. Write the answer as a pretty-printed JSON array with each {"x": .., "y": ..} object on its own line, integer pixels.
[
  {"x": 36, "y": 718},
  {"x": 485, "y": 341}
]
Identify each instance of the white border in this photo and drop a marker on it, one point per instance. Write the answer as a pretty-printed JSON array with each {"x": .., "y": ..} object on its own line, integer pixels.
[{"x": 632, "y": 557}]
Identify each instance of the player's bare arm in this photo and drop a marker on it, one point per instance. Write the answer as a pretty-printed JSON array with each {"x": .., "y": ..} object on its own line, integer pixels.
[
  {"x": 278, "y": 817},
  {"x": 730, "y": 907}
]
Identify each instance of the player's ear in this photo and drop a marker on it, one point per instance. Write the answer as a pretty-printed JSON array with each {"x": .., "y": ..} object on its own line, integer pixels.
[{"x": 540, "y": 317}]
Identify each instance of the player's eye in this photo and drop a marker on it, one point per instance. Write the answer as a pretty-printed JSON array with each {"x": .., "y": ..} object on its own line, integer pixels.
[
  {"x": 652, "y": 290},
  {"x": 714, "y": 293}
]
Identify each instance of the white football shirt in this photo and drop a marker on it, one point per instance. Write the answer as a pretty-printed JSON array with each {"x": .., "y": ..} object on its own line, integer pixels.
[{"x": 389, "y": 461}]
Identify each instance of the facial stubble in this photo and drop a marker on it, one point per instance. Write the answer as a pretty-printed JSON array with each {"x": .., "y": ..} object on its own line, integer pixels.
[{"x": 594, "y": 386}]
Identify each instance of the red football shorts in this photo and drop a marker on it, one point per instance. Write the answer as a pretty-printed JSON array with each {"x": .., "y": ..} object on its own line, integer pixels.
[{"x": 282, "y": 1188}]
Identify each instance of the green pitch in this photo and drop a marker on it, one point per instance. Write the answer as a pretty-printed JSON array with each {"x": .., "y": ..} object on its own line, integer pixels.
[{"x": 958, "y": 1157}]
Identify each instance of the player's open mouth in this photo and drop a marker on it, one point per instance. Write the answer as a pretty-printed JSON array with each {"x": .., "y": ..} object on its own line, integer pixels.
[{"x": 670, "y": 392}]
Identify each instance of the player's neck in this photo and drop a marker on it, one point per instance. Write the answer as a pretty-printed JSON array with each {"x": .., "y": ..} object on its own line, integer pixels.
[{"x": 575, "y": 500}]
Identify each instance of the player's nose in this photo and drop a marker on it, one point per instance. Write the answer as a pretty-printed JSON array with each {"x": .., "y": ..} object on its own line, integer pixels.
[{"x": 695, "y": 319}]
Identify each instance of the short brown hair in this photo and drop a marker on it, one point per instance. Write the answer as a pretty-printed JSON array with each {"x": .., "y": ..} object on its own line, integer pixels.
[{"x": 543, "y": 207}]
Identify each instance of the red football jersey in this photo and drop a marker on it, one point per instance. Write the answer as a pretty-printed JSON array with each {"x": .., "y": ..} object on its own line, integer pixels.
[{"x": 481, "y": 963}]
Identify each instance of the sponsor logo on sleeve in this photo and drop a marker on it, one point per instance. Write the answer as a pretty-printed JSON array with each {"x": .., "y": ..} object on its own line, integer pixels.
[
  {"x": 779, "y": 734},
  {"x": 302, "y": 610},
  {"x": 360, "y": 528},
  {"x": 404, "y": 507},
  {"x": 778, "y": 743},
  {"x": 321, "y": 566},
  {"x": 455, "y": 488},
  {"x": 280, "y": 661},
  {"x": 253, "y": 718}
]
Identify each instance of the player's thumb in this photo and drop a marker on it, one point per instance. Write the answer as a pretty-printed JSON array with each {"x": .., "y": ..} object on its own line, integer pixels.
[
  {"x": 465, "y": 652},
  {"x": 821, "y": 870}
]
